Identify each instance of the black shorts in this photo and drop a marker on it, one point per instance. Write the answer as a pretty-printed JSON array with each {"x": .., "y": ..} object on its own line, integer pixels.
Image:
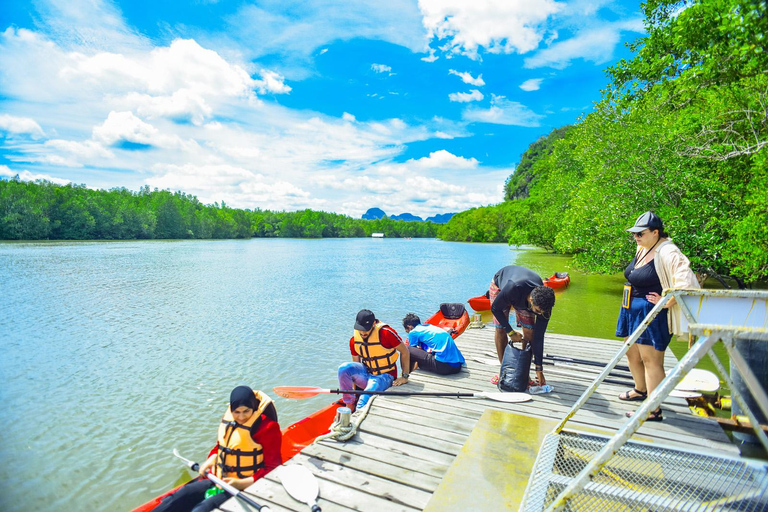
[{"x": 427, "y": 362}]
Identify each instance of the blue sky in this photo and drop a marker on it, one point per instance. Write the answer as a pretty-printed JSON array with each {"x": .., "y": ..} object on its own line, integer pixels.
[{"x": 420, "y": 106}]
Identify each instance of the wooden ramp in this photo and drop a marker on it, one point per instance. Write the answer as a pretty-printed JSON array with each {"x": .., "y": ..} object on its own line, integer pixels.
[{"x": 406, "y": 446}]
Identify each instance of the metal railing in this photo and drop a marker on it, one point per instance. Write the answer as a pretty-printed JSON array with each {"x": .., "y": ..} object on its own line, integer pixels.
[{"x": 713, "y": 315}]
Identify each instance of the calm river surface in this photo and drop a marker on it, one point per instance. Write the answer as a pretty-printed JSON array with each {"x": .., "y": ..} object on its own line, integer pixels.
[{"x": 114, "y": 353}]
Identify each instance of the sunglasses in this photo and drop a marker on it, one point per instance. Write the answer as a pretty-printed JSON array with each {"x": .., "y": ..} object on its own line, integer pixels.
[{"x": 640, "y": 234}]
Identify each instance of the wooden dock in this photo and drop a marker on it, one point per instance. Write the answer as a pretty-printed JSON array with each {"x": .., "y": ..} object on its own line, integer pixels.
[{"x": 407, "y": 445}]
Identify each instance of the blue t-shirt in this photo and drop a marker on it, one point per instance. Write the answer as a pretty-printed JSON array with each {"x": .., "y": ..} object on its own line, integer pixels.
[{"x": 434, "y": 339}]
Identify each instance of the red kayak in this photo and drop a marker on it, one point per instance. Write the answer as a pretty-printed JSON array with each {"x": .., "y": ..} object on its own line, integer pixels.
[
  {"x": 558, "y": 280},
  {"x": 480, "y": 303},
  {"x": 301, "y": 434}
]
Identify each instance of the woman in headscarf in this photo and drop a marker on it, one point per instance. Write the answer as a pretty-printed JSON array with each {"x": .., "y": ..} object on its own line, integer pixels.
[{"x": 248, "y": 447}]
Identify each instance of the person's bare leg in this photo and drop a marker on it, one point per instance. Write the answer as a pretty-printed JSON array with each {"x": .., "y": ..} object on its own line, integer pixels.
[
  {"x": 653, "y": 361},
  {"x": 636, "y": 368},
  {"x": 500, "y": 337}
]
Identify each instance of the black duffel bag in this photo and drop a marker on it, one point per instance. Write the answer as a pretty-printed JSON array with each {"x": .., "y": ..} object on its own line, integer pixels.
[{"x": 515, "y": 369}]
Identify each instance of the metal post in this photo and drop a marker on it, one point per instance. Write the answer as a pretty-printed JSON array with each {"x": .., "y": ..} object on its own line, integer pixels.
[{"x": 624, "y": 433}]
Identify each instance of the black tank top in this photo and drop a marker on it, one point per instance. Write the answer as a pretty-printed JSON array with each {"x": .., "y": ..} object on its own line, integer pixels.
[{"x": 644, "y": 279}]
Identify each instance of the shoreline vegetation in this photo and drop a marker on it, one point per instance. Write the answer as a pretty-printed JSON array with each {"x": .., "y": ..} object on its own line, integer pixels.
[
  {"x": 681, "y": 129},
  {"x": 43, "y": 210}
]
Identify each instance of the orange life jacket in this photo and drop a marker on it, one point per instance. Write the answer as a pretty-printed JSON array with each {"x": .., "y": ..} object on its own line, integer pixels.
[
  {"x": 238, "y": 454},
  {"x": 377, "y": 358}
]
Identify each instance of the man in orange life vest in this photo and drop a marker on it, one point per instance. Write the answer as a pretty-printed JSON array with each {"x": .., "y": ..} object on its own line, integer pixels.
[{"x": 375, "y": 348}]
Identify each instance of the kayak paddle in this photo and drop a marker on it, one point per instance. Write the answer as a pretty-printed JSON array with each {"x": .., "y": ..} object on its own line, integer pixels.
[
  {"x": 584, "y": 361},
  {"x": 301, "y": 484},
  {"x": 194, "y": 466},
  {"x": 310, "y": 391}
]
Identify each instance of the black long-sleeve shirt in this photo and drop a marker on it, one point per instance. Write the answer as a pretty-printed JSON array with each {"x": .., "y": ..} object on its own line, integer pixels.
[{"x": 515, "y": 285}]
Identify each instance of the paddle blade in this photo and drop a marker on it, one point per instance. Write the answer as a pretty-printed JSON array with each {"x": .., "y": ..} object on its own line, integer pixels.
[
  {"x": 506, "y": 397},
  {"x": 299, "y": 391},
  {"x": 299, "y": 482},
  {"x": 699, "y": 380}
]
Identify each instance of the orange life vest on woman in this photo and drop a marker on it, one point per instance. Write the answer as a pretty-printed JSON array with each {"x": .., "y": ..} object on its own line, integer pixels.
[
  {"x": 238, "y": 454},
  {"x": 375, "y": 356}
]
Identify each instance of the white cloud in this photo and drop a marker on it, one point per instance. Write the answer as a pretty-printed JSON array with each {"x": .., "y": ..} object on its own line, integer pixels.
[
  {"x": 595, "y": 45},
  {"x": 466, "y": 97},
  {"x": 20, "y": 125},
  {"x": 443, "y": 159},
  {"x": 124, "y": 126},
  {"x": 295, "y": 29},
  {"x": 30, "y": 176},
  {"x": 468, "y": 79},
  {"x": 498, "y": 26},
  {"x": 272, "y": 82},
  {"x": 381, "y": 68},
  {"x": 183, "y": 104},
  {"x": 182, "y": 65},
  {"x": 79, "y": 151},
  {"x": 532, "y": 84},
  {"x": 431, "y": 57},
  {"x": 503, "y": 111}
]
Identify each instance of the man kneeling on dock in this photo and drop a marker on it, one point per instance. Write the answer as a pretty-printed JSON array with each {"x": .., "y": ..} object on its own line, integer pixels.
[
  {"x": 432, "y": 349},
  {"x": 375, "y": 347}
]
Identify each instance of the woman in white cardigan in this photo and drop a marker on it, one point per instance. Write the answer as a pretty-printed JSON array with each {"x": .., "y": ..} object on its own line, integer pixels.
[{"x": 658, "y": 264}]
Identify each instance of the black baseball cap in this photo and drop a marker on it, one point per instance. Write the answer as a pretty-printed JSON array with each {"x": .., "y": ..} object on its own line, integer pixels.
[
  {"x": 648, "y": 220},
  {"x": 364, "y": 320}
]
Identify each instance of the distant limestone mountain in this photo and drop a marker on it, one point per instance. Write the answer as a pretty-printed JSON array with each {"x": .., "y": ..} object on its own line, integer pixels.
[
  {"x": 377, "y": 213},
  {"x": 373, "y": 214},
  {"x": 441, "y": 218},
  {"x": 407, "y": 217}
]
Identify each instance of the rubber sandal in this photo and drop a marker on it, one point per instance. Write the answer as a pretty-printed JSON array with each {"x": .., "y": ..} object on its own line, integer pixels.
[
  {"x": 641, "y": 395},
  {"x": 654, "y": 416},
  {"x": 495, "y": 379}
]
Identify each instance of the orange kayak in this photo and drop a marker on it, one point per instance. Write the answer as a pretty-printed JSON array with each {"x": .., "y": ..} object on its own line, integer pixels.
[
  {"x": 558, "y": 280},
  {"x": 443, "y": 319}
]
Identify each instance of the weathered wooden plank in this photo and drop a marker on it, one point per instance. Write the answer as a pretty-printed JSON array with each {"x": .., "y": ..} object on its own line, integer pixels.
[
  {"x": 357, "y": 448},
  {"x": 399, "y": 447},
  {"x": 392, "y": 428},
  {"x": 380, "y": 468},
  {"x": 387, "y": 489}
]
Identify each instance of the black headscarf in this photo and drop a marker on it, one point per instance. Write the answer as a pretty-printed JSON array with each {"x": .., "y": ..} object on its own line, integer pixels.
[{"x": 243, "y": 395}]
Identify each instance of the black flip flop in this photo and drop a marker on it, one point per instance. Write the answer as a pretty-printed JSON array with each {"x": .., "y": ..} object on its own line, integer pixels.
[
  {"x": 654, "y": 416},
  {"x": 641, "y": 395}
]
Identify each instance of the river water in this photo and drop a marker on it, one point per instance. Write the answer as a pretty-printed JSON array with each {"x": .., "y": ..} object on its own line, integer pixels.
[{"x": 114, "y": 353}]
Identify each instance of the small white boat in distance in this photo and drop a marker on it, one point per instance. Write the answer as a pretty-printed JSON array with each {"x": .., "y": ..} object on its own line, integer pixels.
[{"x": 377, "y": 235}]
